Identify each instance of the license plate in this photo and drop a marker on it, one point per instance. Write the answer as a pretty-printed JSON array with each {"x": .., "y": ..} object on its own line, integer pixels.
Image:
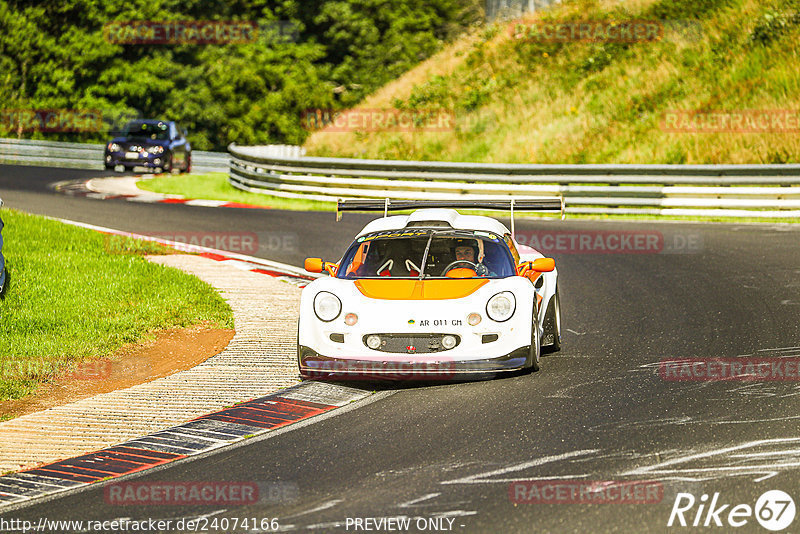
[
  {"x": 131, "y": 155},
  {"x": 437, "y": 322}
]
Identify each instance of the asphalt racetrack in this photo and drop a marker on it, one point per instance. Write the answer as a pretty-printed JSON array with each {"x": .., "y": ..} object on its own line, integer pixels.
[{"x": 517, "y": 454}]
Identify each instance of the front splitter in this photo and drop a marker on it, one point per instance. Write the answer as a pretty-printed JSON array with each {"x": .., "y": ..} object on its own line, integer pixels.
[{"x": 316, "y": 366}]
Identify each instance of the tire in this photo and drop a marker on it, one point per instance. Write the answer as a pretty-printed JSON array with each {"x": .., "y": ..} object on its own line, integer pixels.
[
  {"x": 188, "y": 167},
  {"x": 299, "y": 371},
  {"x": 552, "y": 324},
  {"x": 536, "y": 348}
]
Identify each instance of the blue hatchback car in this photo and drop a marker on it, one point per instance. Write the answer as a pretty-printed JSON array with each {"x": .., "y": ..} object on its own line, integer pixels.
[{"x": 153, "y": 144}]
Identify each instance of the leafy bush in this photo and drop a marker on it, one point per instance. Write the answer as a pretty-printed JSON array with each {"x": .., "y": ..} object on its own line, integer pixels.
[
  {"x": 772, "y": 25},
  {"x": 434, "y": 93}
]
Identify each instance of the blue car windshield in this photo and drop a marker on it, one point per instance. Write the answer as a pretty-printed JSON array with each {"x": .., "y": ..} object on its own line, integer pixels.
[
  {"x": 422, "y": 253},
  {"x": 147, "y": 130}
]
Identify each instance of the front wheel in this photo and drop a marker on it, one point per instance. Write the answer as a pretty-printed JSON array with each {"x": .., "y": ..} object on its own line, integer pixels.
[{"x": 552, "y": 325}]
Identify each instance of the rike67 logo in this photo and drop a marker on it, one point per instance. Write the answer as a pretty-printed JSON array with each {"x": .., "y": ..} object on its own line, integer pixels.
[{"x": 774, "y": 510}]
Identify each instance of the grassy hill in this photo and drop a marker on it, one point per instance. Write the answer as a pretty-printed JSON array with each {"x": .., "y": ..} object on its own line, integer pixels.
[{"x": 515, "y": 98}]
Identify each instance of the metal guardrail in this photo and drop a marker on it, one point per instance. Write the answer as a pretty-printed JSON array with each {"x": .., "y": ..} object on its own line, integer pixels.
[
  {"x": 86, "y": 156},
  {"x": 693, "y": 190},
  {"x": 766, "y": 191},
  {"x": 291, "y": 152},
  {"x": 505, "y": 9}
]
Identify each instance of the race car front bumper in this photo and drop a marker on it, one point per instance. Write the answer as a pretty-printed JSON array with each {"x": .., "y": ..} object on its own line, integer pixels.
[
  {"x": 147, "y": 160},
  {"x": 316, "y": 366}
]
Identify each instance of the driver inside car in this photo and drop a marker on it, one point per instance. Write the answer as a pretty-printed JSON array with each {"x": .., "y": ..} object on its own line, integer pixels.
[{"x": 471, "y": 250}]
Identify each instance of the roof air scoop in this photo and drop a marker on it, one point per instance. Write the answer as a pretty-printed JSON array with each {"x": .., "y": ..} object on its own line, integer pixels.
[
  {"x": 435, "y": 217},
  {"x": 429, "y": 224}
]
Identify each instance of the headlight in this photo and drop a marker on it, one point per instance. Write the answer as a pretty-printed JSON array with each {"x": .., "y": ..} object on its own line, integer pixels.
[
  {"x": 114, "y": 147},
  {"x": 449, "y": 342},
  {"x": 374, "y": 342},
  {"x": 157, "y": 149},
  {"x": 501, "y": 306},
  {"x": 327, "y": 306}
]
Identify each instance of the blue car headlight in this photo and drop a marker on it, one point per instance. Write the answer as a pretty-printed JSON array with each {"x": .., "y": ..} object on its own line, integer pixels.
[
  {"x": 114, "y": 147},
  {"x": 157, "y": 149}
]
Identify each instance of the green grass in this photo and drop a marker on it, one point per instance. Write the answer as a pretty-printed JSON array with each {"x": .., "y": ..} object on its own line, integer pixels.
[
  {"x": 75, "y": 295},
  {"x": 215, "y": 186},
  {"x": 518, "y": 100}
]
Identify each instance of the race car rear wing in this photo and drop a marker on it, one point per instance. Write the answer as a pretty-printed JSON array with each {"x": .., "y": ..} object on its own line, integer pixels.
[{"x": 500, "y": 204}]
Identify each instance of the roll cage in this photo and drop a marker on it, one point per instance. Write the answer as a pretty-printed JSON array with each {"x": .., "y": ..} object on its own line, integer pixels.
[{"x": 425, "y": 254}]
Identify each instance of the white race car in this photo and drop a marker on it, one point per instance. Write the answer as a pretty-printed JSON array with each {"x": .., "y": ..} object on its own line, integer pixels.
[{"x": 430, "y": 295}]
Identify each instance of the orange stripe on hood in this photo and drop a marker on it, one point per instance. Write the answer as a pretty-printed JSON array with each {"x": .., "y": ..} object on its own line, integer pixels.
[{"x": 389, "y": 289}]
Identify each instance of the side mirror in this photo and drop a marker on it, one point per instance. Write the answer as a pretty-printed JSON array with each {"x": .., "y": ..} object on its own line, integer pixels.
[
  {"x": 540, "y": 265},
  {"x": 184, "y": 132},
  {"x": 544, "y": 265},
  {"x": 314, "y": 265}
]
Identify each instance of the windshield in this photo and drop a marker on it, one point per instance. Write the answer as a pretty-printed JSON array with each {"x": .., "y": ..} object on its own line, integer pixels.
[
  {"x": 148, "y": 130},
  {"x": 427, "y": 254}
]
